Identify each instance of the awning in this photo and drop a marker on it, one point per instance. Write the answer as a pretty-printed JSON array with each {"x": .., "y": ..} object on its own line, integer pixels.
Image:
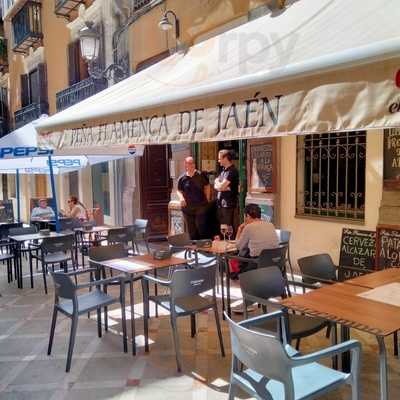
[
  {"x": 19, "y": 151},
  {"x": 313, "y": 67}
]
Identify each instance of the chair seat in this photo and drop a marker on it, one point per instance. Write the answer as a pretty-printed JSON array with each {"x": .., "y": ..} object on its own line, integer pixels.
[
  {"x": 308, "y": 380},
  {"x": 185, "y": 305},
  {"x": 87, "y": 302},
  {"x": 299, "y": 325},
  {"x": 56, "y": 258}
]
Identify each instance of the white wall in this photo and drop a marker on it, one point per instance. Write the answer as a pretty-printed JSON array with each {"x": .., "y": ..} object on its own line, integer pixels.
[{"x": 310, "y": 236}]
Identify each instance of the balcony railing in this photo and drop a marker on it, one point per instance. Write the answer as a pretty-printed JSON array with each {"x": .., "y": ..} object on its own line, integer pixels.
[
  {"x": 3, "y": 55},
  {"x": 78, "y": 92},
  {"x": 4, "y": 128},
  {"x": 138, "y": 4},
  {"x": 30, "y": 113},
  {"x": 27, "y": 27},
  {"x": 63, "y": 8}
]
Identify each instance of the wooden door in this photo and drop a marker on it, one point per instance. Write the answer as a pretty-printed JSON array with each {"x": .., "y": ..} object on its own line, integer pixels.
[{"x": 155, "y": 189}]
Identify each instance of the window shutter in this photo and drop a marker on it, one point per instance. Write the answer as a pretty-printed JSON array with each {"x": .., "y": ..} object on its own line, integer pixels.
[
  {"x": 43, "y": 98},
  {"x": 73, "y": 69},
  {"x": 24, "y": 90}
]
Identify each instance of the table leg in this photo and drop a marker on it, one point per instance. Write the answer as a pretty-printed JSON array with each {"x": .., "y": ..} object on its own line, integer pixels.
[
  {"x": 228, "y": 286},
  {"x": 344, "y": 336},
  {"x": 221, "y": 271},
  {"x": 383, "y": 368},
  {"x": 133, "y": 330}
]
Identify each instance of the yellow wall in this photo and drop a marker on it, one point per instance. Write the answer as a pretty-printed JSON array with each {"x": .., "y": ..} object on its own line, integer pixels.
[
  {"x": 196, "y": 17},
  {"x": 310, "y": 236}
]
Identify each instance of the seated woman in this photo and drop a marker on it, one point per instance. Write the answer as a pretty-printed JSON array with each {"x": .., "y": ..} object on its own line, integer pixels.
[
  {"x": 254, "y": 235},
  {"x": 76, "y": 209}
]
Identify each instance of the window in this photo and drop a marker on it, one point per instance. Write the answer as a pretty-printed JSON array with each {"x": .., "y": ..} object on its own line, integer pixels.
[
  {"x": 101, "y": 187},
  {"x": 331, "y": 175},
  {"x": 138, "y": 4}
]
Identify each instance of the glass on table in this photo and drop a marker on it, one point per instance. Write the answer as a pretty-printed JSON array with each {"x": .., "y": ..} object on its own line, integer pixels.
[
  {"x": 224, "y": 230},
  {"x": 229, "y": 232}
]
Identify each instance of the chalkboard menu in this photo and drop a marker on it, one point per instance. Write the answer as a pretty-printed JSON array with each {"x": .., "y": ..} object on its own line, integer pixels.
[
  {"x": 6, "y": 211},
  {"x": 261, "y": 166},
  {"x": 391, "y": 159},
  {"x": 357, "y": 250},
  {"x": 389, "y": 247}
]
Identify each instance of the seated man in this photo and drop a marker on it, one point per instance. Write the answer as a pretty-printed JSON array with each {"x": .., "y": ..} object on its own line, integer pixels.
[
  {"x": 255, "y": 234},
  {"x": 42, "y": 212}
]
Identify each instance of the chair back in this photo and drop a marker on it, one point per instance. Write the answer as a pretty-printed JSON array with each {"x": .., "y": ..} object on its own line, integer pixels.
[
  {"x": 261, "y": 352},
  {"x": 273, "y": 257},
  {"x": 5, "y": 229},
  {"x": 102, "y": 253},
  {"x": 63, "y": 286},
  {"x": 69, "y": 224},
  {"x": 191, "y": 282},
  {"x": 283, "y": 236},
  {"x": 319, "y": 266},
  {"x": 118, "y": 235},
  {"x": 179, "y": 240},
  {"x": 264, "y": 283},
  {"x": 141, "y": 226},
  {"x": 58, "y": 244},
  {"x": 22, "y": 231}
]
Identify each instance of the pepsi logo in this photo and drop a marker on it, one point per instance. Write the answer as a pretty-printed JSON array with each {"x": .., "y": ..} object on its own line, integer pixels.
[{"x": 131, "y": 149}]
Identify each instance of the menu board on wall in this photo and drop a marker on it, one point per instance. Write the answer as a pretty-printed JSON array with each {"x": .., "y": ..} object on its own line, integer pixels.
[
  {"x": 261, "y": 166},
  {"x": 389, "y": 247},
  {"x": 6, "y": 211},
  {"x": 391, "y": 159},
  {"x": 357, "y": 250}
]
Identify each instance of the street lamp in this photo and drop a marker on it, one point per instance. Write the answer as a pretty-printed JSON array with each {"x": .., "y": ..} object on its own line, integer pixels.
[
  {"x": 165, "y": 24},
  {"x": 89, "y": 39}
]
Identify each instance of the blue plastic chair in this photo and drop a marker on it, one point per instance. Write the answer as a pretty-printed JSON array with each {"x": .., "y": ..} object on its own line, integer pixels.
[{"x": 273, "y": 370}]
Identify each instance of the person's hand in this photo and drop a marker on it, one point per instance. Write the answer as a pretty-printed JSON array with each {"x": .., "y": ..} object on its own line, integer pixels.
[
  {"x": 217, "y": 237},
  {"x": 241, "y": 227}
]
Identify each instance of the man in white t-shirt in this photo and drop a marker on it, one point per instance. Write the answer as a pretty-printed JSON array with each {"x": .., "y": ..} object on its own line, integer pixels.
[{"x": 42, "y": 212}]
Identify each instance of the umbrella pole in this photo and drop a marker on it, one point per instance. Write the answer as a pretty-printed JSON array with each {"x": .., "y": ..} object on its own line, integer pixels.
[
  {"x": 54, "y": 193},
  {"x": 18, "y": 198}
]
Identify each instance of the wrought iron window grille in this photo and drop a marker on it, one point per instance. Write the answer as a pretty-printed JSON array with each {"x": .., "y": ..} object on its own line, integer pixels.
[{"x": 331, "y": 175}]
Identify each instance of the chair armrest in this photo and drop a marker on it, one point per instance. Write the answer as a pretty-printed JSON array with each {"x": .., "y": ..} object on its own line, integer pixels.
[
  {"x": 243, "y": 259},
  {"x": 81, "y": 271},
  {"x": 158, "y": 281},
  {"x": 33, "y": 246},
  {"x": 350, "y": 345},
  {"x": 99, "y": 282},
  {"x": 317, "y": 279},
  {"x": 304, "y": 285},
  {"x": 259, "y": 300},
  {"x": 256, "y": 320}
]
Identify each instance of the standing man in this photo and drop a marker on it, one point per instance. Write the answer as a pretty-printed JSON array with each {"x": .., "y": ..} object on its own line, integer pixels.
[
  {"x": 227, "y": 186},
  {"x": 194, "y": 194}
]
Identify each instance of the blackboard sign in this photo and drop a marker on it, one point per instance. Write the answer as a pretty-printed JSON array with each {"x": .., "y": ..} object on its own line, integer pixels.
[
  {"x": 357, "y": 250},
  {"x": 391, "y": 159},
  {"x": 6, "y": 211},
  {"x": 389, "y": 247},
  {"x": 261, "y": 165}
]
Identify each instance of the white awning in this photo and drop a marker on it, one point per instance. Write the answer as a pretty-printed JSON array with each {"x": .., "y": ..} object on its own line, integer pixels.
[
  {"x": 315, "y": 66},
  {"x": 19, "y": 151}
]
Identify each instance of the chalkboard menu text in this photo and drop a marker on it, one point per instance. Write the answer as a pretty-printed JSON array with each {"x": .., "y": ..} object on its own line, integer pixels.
[
  {"x": 261, "y": 166},
  {"x": 391, "y": 159},
  {"x": 357, "y": 250},
  {"x": 389, "y": 247}
]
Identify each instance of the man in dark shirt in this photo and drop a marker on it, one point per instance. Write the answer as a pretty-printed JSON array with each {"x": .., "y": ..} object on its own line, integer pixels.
[
  {"x": 194, "y": 195},
  {"x": 227, "y": 186}
]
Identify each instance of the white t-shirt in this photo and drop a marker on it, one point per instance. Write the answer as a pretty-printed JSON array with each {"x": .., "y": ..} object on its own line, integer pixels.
[{"x": 82, "y": 211}]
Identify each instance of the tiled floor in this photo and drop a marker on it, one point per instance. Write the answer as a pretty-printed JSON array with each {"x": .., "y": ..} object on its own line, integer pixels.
[{"x": 100, "y": 370}]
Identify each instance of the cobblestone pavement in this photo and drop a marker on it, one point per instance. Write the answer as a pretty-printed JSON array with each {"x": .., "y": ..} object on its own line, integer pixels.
[{"x": 100, "y": 369}]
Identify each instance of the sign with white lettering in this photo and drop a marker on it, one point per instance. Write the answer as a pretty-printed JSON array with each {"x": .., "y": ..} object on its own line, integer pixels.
[
  {"x": 357, "y": 250},
  {"x": 391, "y": 159},
  {"x": 389, "y": 248}
]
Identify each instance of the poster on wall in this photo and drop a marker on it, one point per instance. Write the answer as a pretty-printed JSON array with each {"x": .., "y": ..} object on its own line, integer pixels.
[
  {"x": 6, "y": 211},
  {"x": 391, "y": 159},
  {"x": 261, "y": 166}
]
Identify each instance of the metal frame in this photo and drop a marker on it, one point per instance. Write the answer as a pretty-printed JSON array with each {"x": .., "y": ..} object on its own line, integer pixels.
[{"x": 67, "y": 6}]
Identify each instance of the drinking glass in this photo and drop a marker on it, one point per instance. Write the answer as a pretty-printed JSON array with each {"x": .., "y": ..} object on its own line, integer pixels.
[
  {"x": 224, "y": 230},
  {"x": 229, "y": 232}
]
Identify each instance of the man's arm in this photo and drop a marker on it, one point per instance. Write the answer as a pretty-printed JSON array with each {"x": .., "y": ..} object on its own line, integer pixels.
[
  {"x": 181, "y": 198},
  {"x": 34, "y": 214},
  {"x": 207, "y": 192},
  {"x": 242, "y": 238},
  {"x": 221, "y": 186}
]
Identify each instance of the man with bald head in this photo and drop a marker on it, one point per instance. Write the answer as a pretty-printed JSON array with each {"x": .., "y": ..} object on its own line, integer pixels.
[{"x": 194, "y": 195}]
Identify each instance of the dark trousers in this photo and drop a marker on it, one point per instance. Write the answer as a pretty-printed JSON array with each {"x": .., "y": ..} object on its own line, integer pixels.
[{"x": 196, "y": 222}]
